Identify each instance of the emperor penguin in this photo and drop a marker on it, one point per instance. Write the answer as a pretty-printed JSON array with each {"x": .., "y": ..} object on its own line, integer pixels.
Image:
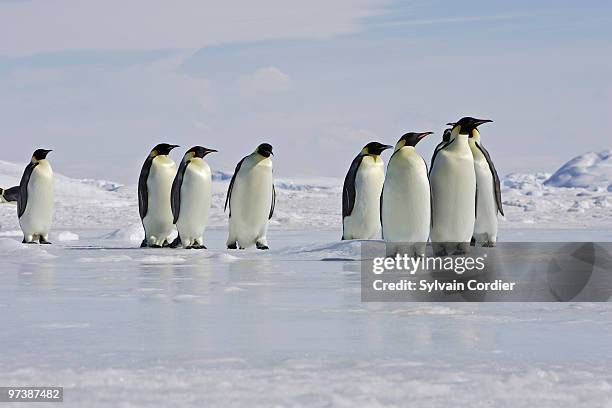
[
  {"x": 35, "y": 199},
  {"x": 488, "y": 194},
  {"x": 251, "y": 198},
  {"x": 453, "y": 185},
  {"x": 405, "y": 203},
  {"x": 361, "y": 193},
  {"x": 9, "y": 195},
  {"x": 154, "y": 187},
  {"x": 192, "y": 197}
]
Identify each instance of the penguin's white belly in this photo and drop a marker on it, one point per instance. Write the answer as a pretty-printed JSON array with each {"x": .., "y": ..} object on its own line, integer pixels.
[
  {"x": 38, "y": 215},
  {"x": 364, "y": 221},
  {"x": 453, "y": 183},
  {"x": 158, "y": 221},
  {"x": 196, "y": 196},
  {"x": 251, "y": 201},
  {"x": 406, "y": 208},
  {"x": 486, "y": 208}
]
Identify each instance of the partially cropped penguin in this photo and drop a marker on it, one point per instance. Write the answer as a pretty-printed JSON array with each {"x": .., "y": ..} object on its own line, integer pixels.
[
  {"x": 251, "y": 199},
  {"x": 361, "y": 193},
  {"x": 35, "y": 199},
  {"x": 453, "y": 184},
  {"x": 191, "y": 198},
  {"x": 405, "y": 203},
  {"x": 9, "y": 195},
  {"x": 154, "y": 187},
  {"x": 488, "y": 195}
]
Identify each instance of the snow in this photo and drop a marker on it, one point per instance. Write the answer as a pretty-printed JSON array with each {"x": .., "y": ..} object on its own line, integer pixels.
[
  {"x": 590, "y": 170},
  {"x": 117, "y": 325},
  {"x": 67, "y": 236}
]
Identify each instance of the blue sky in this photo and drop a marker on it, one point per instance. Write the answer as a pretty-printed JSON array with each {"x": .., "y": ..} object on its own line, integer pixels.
[{"x": 103, "y": 82}]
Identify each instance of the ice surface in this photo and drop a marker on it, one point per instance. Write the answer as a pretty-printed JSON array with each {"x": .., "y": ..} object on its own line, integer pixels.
[{"x": 117, "y": 325}]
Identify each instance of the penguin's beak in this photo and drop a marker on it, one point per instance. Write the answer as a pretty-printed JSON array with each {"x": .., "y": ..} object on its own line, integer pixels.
[
  {"x": 385, "y": 147},
  {"x": 424, "y": 134},
  {"x": 207, "y": 151},
  {"x": 173, "y": 146},
  {"x": 479, "y": 122}
]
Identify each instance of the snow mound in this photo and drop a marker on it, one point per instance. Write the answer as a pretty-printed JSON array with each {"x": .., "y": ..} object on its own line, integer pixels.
[
  {"x": 591, "y": 170},
  {"x": 102, "y": 184},
  {"x": 219, "y": 175},
  {"x": 67, "y": 236},
  {"x": 10, "y": 247},
  {"x": 131, "y": 233}
]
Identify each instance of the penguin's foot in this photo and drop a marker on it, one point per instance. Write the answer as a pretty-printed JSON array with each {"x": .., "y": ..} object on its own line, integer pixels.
[
  {"x": 144, "y": 243},
  {"x": 175, "y": 243},
  {"x": 232, "y": 246},
  {"x": 489, "y": 244},
  {"x": 156, "y": 246},
  {"x": 189, "y": 247},
  {"x": 199, "y": 246},
  {"x": 28, "y": 242},
  {"x": 167, "y": 244},
  {"x": 261, "y": 246},
  {"x": 44, "y": 241}
]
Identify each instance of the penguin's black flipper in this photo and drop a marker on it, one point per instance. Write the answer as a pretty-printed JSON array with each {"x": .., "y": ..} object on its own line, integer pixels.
[
  {"x": 22, "y": 198},
  {"x": 231, "y": 186},
  {"x": 175, "y": 195},
  {"x": 430, "y": 194},
  {"x": 11, "y": 195},
  {"x": 273, "y": 202},
  {"x": 144, "y": 244},
  {"x": 348, "y": 189},
  {"x": 496, "y": 183},
  {"x": 143, "y": 191},
  {"x": 382, "y": 230}
]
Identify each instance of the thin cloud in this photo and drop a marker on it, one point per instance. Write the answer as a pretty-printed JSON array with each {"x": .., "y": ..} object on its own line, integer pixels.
[
  {"x": 268, "y": 79},
  {"x": 37, "y": 26}
]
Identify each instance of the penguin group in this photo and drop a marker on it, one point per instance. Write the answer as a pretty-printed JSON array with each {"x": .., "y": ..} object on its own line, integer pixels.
[
  {"x": 168, "y": 197},
  {"x": 453, "y": 204}
]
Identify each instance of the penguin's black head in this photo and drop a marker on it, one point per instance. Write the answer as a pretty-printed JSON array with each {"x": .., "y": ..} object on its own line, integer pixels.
[
  {"x": 375, "y": 148},
  {"x": 162, "y": 149},
  {"x": 468, "y": 124},
  {"x": 447, "y": 133},
  {"x": 199, "y": 151},
  {"x": 412, "y": 138},
  {"x": 265, "y": 149},
  {"x": 40, "y": 154}
]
